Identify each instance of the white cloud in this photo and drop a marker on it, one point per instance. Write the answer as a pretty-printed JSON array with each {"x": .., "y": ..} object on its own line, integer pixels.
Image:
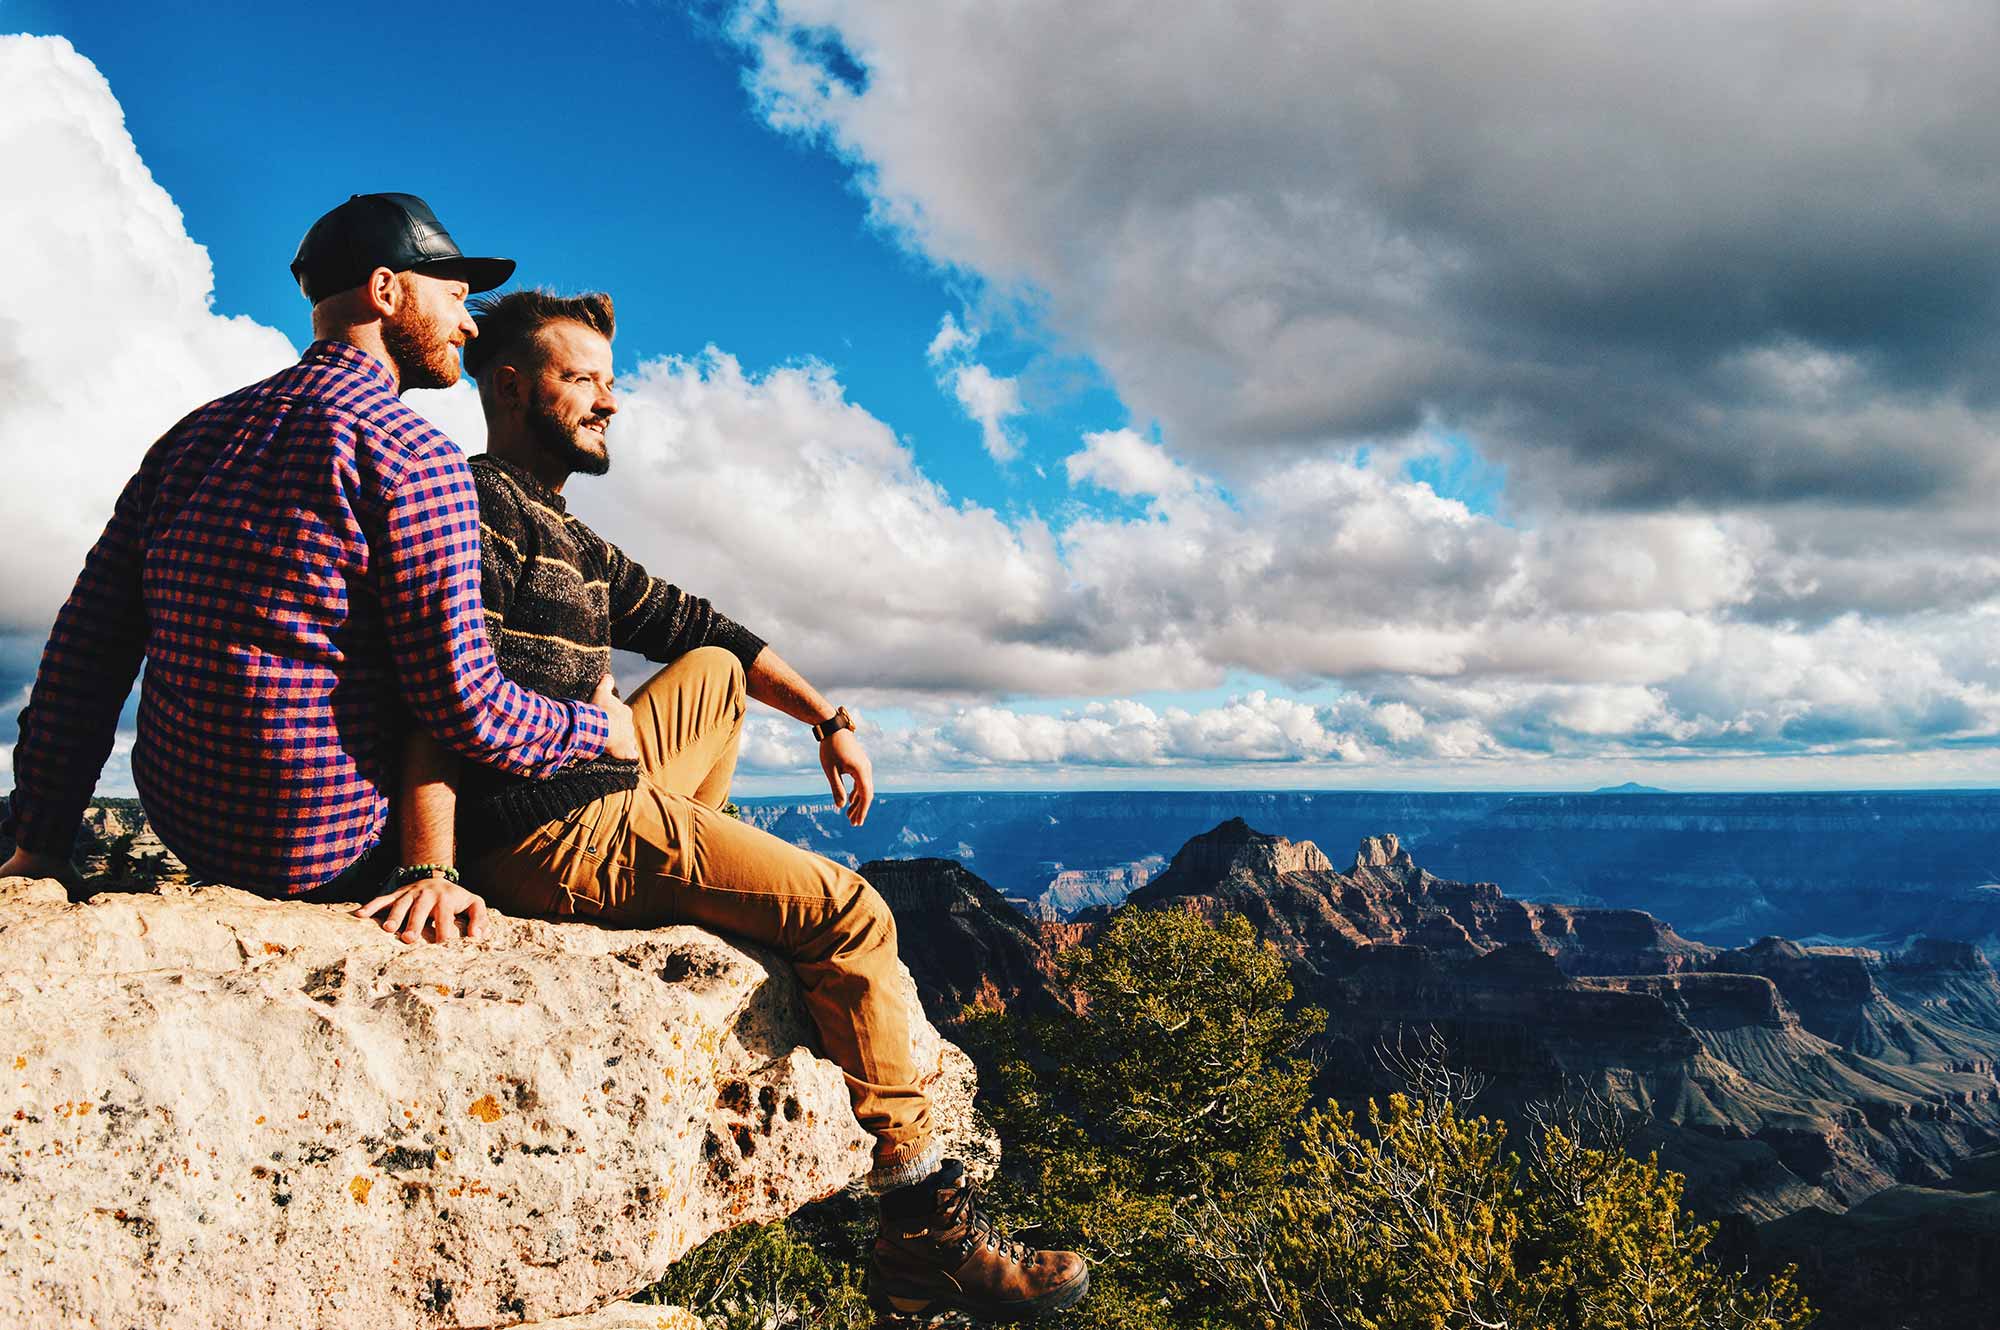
[
  {"x": 1712, "y": 251},
  {"x": 992, "y": 401},
  {"x": 107, "y": 335},
  {"x": 1124, "y": 463},
  {"x": 1462, "y": 643},
  {"x": 950, "y": 342}
]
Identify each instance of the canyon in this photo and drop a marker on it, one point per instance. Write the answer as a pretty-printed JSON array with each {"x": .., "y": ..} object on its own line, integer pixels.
[
  {"x": 1866, "y": 868},
  {"x": 1777, "y": 1077}
]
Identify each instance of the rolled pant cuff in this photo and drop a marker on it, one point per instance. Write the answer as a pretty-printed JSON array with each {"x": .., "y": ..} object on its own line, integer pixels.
[{"x": 888, "y": 1177}]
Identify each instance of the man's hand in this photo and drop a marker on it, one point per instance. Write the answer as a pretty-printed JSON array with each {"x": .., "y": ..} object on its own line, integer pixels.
[
  {"x": 840, "y": 755},
  {"x": 624, "y": 740},
  {"x": 34, "y": 863},
  {"x": 428, "y": 910}
]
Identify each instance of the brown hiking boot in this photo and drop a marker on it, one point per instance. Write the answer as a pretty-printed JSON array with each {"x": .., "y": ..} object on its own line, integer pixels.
[{"x": 938, "y": 1252}]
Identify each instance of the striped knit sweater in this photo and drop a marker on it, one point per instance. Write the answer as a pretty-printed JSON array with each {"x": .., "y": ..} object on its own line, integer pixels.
[{"x": 558, "y": 598}]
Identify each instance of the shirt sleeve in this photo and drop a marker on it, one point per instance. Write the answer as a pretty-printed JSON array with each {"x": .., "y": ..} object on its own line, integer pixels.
[
  {"x": 429, "y": 575},
  {"x": 662, "y": 622},
  {"x": 88, "y": 665}
]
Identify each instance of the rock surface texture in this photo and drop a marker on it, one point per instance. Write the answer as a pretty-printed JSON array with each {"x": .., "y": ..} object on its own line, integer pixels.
[{"x": 226, "y": 1111}]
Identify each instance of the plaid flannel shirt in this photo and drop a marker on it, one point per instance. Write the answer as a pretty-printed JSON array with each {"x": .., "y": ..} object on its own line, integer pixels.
[{"x": 297, "y": 565}]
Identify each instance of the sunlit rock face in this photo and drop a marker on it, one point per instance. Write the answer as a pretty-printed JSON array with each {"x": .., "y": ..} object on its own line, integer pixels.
[
  {"x": 1776, "y": 1076},
  {"x": 222, "y": 1110}
]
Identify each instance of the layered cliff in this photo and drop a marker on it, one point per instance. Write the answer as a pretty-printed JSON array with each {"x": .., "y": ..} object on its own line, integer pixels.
[
  {"x": 1775, "y": 1077},
  {"x": 1291, "y": 891}
]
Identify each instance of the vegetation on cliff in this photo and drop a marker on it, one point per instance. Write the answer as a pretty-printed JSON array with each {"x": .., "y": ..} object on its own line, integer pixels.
[{"x": 1168, "y": 1133}]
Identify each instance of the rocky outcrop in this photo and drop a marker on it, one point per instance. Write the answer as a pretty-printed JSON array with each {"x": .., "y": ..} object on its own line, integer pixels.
[
  {"x": 221, "y": 1110},
  {"x": 1774, "y": 1078},
  {"x": 1069, "y": 891},
  {"x": 964, "y": 944},
  {"x": 1290, "y": 892}
]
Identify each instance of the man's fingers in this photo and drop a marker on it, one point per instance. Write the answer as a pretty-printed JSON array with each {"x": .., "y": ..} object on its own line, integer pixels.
[
  {"x": 864, "y": 795},
  {"x": 475, "y": 919},
  {"x": 400, "y": 906},
  {"x": 833, "y": 780},
  {"x": 447, "y": 923},
  {"x": 374, "y": 907},
  {"x": 413, "y": 927}
]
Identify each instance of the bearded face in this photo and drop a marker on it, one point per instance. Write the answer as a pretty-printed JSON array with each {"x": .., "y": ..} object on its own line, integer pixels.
[
  {"x": 424, "y": 337},
  {"x": 570, "y": 431}
]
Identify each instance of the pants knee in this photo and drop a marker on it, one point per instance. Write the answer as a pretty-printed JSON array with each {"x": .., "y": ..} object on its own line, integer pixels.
[
  {"x": 718, "y": 664},
  {"x": 866, "y": 923}
]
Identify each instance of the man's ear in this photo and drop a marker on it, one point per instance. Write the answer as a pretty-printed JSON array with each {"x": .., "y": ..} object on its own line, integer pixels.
[
  {"x": 384, "y": 292},
  {"x": 510, "y": 386}
]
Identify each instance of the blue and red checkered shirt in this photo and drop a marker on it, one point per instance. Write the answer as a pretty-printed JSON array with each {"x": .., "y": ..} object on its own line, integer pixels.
[{"x": 297, "y": 565}]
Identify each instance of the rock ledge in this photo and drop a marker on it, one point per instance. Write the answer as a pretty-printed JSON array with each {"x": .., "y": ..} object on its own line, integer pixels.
[{"x": 222, "y": 1110}]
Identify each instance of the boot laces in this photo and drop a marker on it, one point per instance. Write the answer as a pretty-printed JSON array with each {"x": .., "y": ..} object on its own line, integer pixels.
[{"x": 980, "y": 1229}]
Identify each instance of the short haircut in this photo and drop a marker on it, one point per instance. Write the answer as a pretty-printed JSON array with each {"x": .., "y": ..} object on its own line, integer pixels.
[{"x": 509, "y": 324}]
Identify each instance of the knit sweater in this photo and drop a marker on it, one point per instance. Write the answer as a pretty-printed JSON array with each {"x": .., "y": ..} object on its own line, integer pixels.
[{"x": 558, "y": 598}]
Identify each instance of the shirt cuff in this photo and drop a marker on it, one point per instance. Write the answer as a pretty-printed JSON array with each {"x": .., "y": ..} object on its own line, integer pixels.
[
  {"x": 37, "y": 832},
  {"x": 593, "y": 732}
]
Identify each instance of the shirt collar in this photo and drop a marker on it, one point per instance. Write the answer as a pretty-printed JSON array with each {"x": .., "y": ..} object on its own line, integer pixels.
[
  {"x": 347, "y": 356},
  {"x": 525, "y": 478}
]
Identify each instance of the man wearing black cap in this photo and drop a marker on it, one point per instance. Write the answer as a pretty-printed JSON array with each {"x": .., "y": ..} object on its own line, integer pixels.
[{"x": 297, "y": 567}]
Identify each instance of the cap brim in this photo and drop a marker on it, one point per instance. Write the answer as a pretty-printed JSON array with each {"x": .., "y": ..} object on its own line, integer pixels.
[{"x": 479, "y": 274}]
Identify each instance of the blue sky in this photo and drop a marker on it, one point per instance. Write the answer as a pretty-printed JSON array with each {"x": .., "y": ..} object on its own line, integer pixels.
[
  {"x": 1371, "y": 420},
  {"x": 626, "y": 158}
]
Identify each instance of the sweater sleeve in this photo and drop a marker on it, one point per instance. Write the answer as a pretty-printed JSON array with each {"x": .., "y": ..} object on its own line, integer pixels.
[
  {"x": 87, "y": 669},
  {"x": 662, "y": 622},
  {"x": 430, "y": 579}
]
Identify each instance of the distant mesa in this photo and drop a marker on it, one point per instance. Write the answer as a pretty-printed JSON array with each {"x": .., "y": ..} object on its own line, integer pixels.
[{"x": 1630, "y": 787}]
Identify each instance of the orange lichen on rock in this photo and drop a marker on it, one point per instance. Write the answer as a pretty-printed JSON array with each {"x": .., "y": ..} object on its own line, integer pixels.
[
  {"x": 359, "y": 1189},
  {"x": 487, "y": 1109}
]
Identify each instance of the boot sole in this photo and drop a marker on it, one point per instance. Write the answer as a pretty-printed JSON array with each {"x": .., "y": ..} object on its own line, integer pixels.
[{"x": 923, "y": 1306}]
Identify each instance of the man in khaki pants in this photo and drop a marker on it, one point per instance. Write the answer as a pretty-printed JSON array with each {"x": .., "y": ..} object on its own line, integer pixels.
[{"x": 646, "y": 842}]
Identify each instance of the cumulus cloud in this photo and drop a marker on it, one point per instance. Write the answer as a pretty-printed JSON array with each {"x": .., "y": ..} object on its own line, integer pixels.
[
  {"x": 1732, "y": 254},
  {"x": 108, "y": 334},
  {"x": 1457, "y": 642},
  {"x": 1121, "y": 461}
]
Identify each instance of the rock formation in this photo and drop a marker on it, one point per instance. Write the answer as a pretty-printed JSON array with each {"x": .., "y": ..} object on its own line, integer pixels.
[
  {"x": 221, "y": 1110},
  {"x": 963, "y": 942},
  {"x": 1291, "y": 893},
  {"x": 1775, "y": 1077}
]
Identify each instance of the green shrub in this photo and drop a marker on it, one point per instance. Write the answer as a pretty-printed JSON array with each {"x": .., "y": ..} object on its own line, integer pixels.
[{"x": 1167, "y": 1133}]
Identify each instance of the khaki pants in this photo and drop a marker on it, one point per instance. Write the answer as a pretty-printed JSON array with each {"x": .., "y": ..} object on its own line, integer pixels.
[{"x": 664, "y": 853}]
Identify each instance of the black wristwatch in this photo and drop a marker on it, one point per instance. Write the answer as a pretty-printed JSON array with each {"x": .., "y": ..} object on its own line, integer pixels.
[{"x": 839, "y": 720}]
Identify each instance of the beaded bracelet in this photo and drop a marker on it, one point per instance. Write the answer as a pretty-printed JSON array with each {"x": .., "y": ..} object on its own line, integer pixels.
[{"x": 409, "y": 873}]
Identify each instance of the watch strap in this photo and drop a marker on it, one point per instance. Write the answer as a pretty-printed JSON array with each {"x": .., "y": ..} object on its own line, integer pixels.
[{"x": 839, "y": 720}]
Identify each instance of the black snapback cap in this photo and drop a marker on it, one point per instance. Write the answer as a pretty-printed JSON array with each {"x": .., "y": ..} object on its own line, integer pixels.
[{"x": 394, "y": 231}]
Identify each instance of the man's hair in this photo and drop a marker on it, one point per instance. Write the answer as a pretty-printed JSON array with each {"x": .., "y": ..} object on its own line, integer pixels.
[{"x": 509, "y": 325}]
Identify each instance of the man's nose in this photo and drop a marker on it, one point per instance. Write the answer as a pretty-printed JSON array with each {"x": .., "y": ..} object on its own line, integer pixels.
[{"x": 606, "y": 403}]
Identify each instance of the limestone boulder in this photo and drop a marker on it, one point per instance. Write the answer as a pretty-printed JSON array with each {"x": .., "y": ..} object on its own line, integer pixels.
[{"x": 220, "y": 1110}]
